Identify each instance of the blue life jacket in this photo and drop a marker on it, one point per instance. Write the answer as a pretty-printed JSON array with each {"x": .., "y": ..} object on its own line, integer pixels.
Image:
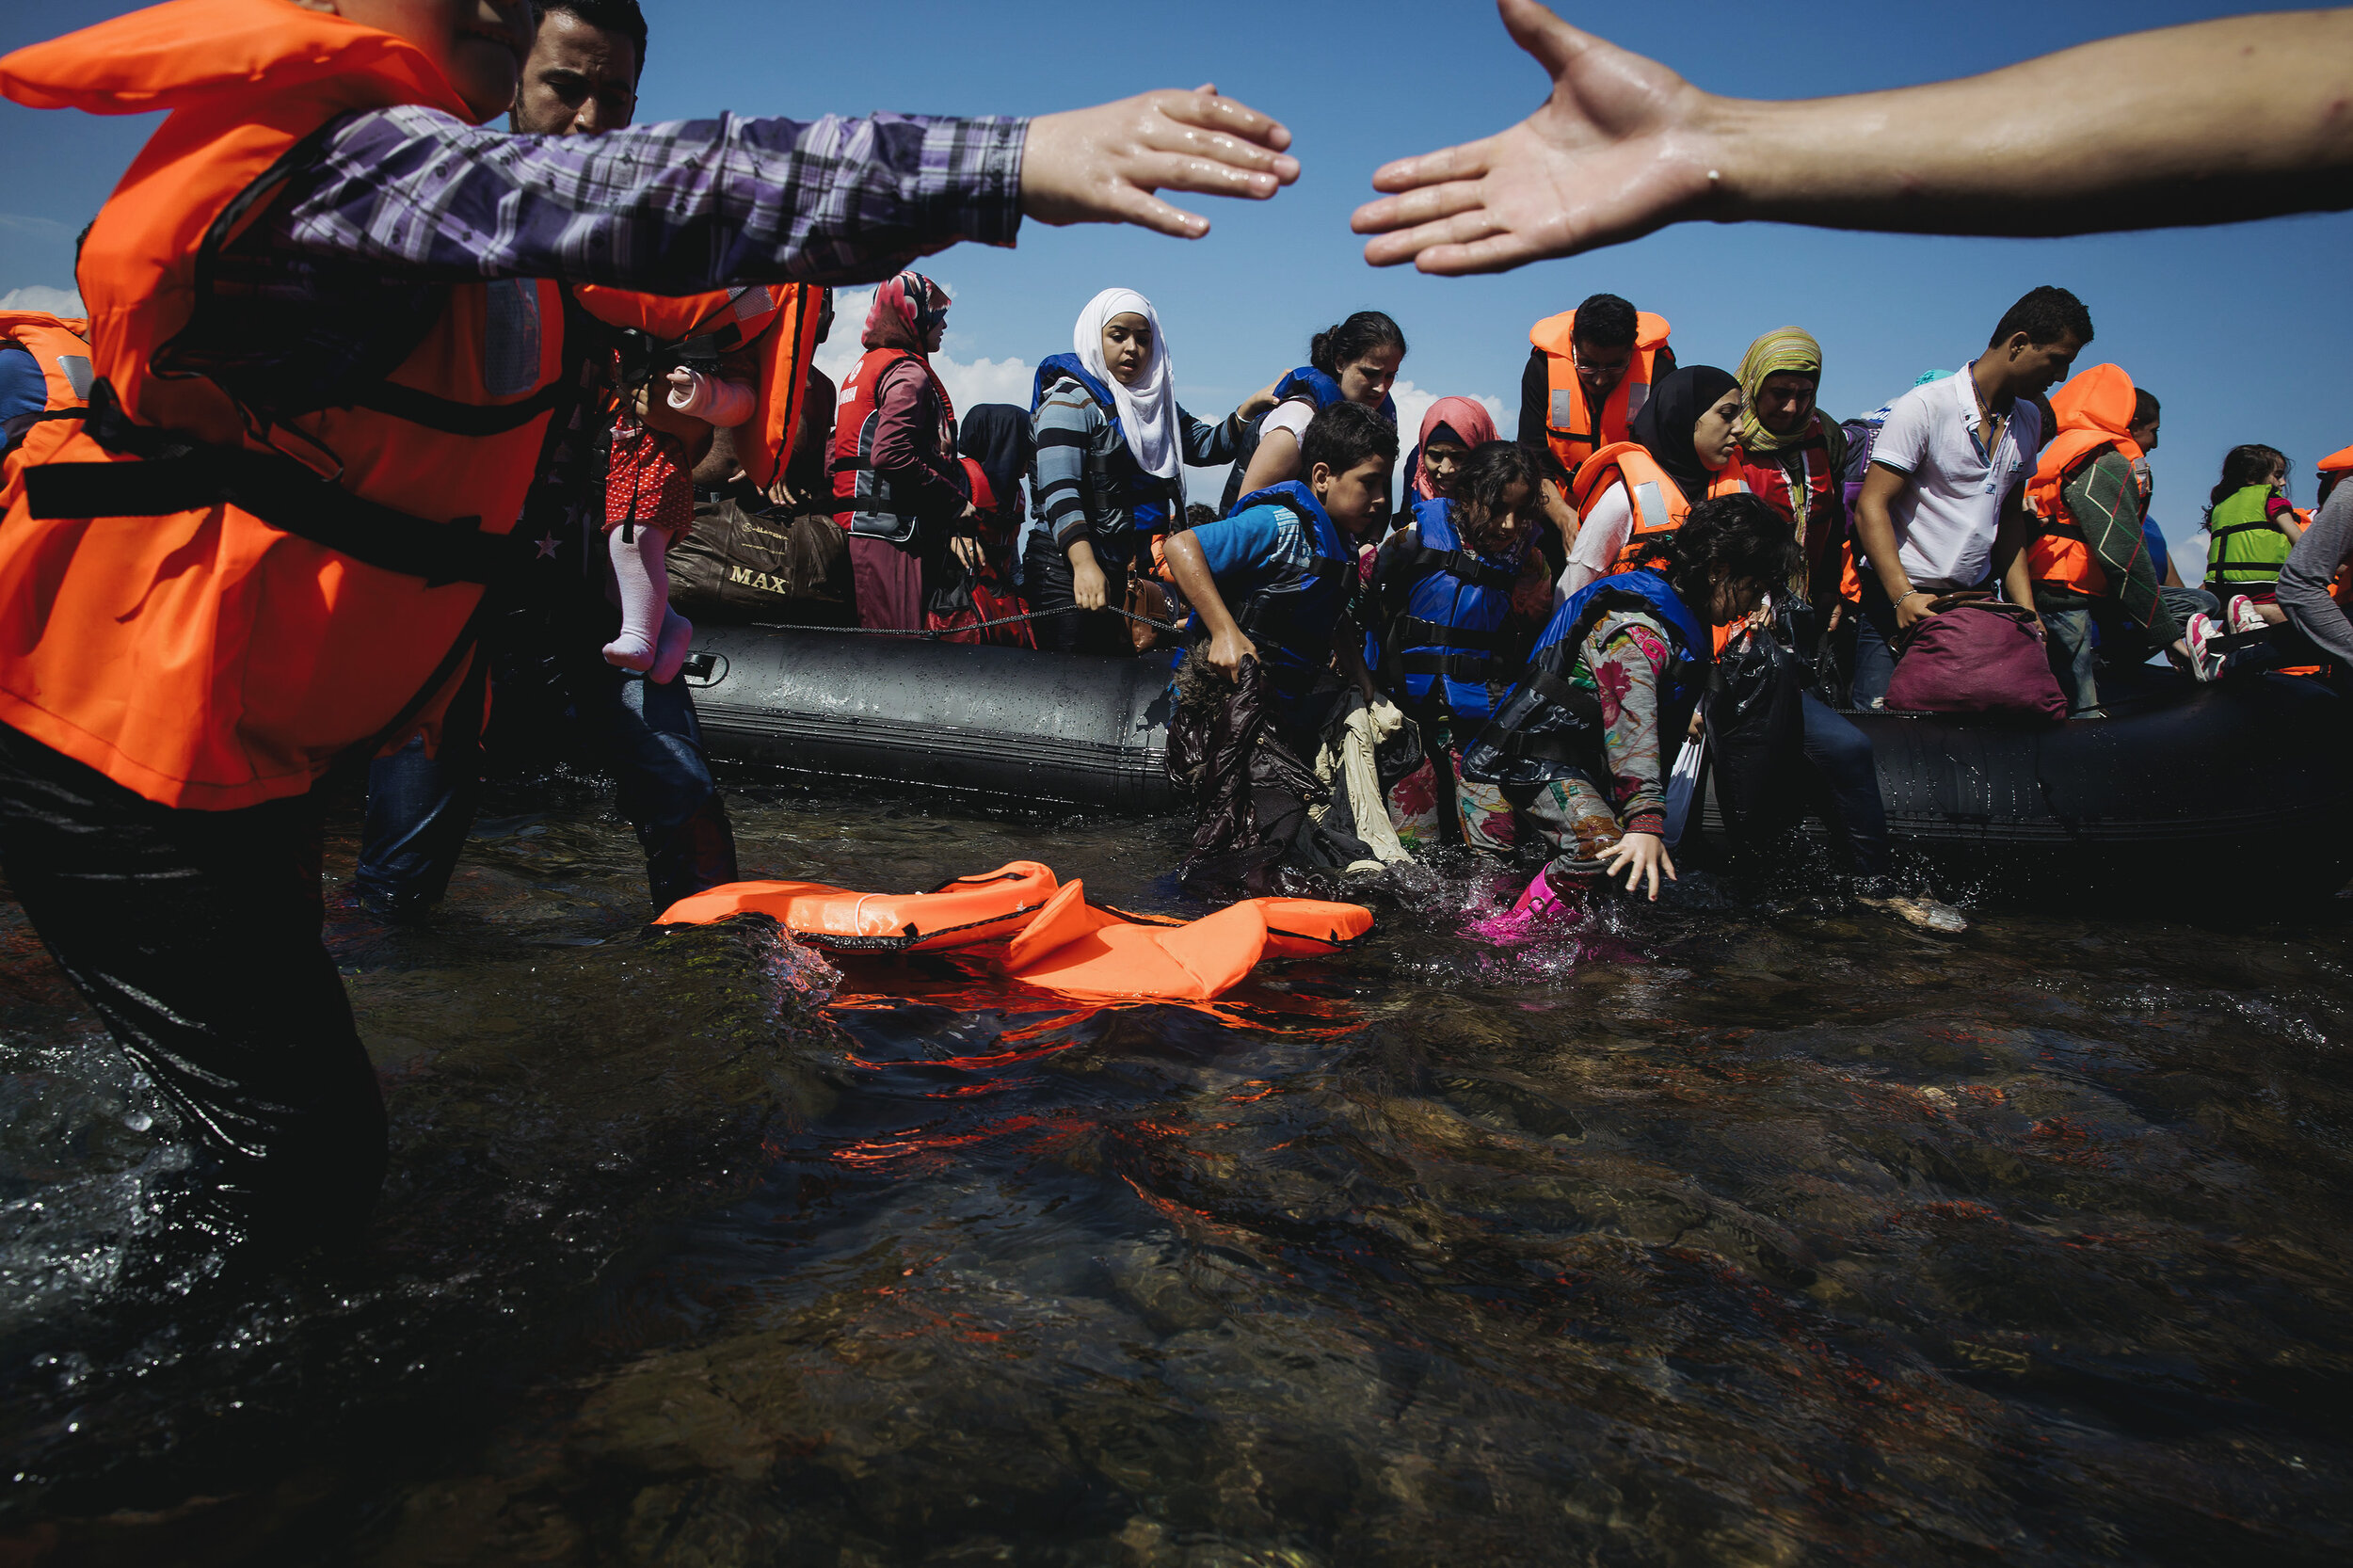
[
  {"x": 1444, "y": 642},
  {"x": 1549, "y": 724},
  {"x": 1291, "y": 614},
  {"x": 1308, "y": 382},
  {"x": 1322, "y": 391},
  {"x": 1115, "y": 481}
]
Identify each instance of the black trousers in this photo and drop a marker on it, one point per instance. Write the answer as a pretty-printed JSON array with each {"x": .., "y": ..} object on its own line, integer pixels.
[
  {"x": 1046, "y": 584},
  {"x": 198, "y": 937}
]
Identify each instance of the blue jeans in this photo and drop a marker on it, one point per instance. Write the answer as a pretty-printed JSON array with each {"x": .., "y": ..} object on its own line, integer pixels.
[
  {"x": 2077, "y": 654},
  {"x": 1840, "y": 755},
  {"x": 1873, "y": 645},
  {"x": 421, "y": 808}
]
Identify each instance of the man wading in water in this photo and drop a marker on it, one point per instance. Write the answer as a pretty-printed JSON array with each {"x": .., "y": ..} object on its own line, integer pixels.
[{"x": 273, "y": 320}]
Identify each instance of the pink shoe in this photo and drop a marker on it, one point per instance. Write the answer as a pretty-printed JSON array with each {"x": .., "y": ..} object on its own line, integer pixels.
[
  {"x": 1540, "y": 904},
  {"x": 2243, "y": 616}
]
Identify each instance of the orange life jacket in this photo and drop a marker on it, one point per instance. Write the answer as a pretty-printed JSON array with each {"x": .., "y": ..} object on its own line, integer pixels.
[
  {"x": 181, "y": 644},
  {"x": 60, "y": 346},
  {"x": 780, "y": 317},
  {"x": 960, "y": 914},
  {"x": 1568, "y": 421},
  {"x": 2095, "y": 411},
  {"x": 1658, "y": 504},
  {"x": 864, "y": 501},
  {"x": 1076, "y": 950}
]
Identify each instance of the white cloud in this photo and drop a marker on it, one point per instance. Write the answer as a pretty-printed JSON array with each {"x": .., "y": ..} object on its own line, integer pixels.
[
  {"x": 34, "y": 297},
  {"x": 1413, "y": 402},
  {"x": 1011, "y": 380},
  {"x": 967, "y": 382}
]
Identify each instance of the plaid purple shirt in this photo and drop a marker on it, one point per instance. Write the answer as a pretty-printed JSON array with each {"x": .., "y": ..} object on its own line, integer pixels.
[
  {"x": 345, "y": 274},
  {"x": 352, "y": 265}
]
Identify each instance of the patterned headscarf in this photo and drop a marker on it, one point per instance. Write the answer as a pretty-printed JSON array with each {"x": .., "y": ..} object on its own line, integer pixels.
[
  {"x": 904, "y": 312},
  {"x": 1785, "y": 350}
]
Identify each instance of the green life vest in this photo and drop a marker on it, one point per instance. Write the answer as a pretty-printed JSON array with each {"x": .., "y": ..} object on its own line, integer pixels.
[{"x": 2246, "y": 549}]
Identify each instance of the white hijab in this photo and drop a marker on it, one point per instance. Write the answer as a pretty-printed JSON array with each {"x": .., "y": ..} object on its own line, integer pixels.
[{"x": 1148, "y": 411}]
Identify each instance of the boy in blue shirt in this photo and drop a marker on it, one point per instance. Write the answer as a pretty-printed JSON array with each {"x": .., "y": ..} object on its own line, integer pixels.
[{"x": 1273, "y": 579}]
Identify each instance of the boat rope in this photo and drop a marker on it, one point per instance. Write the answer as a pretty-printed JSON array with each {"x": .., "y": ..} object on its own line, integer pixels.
[{"x": 934, "y": 633}]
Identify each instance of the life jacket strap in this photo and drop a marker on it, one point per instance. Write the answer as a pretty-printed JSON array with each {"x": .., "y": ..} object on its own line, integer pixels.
[
  {"x": 172, "y": 476},
  {"x": 2056, "y": 529},
  {"x": 460, "y": 418},
  {"x": 1461, "y": 564},
  {"x": 1455, "y": 666},
  {"x": 1412, "y": 632}
]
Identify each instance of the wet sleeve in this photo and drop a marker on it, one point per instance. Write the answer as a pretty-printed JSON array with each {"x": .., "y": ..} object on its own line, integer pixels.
[
  {"x": 1237, "y": 544},
  {"x": 2105, "y": 500},
  {"x": 1209, "y": 444},
  {"x": 2312, "y": 566},
  {"x": 679, "y": 208},
  {"x": 906, "y": 439},
  {"x": 1626, "y": 656},
  {"x": 1535, "y": 398},
  {"x": 1064, "y": 426}
]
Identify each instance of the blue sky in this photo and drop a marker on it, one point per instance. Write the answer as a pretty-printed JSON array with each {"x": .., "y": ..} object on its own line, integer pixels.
[{"x": 2239, "y": 329}]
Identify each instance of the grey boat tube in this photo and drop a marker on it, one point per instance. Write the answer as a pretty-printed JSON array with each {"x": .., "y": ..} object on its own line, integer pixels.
[{"x": 992, "y": 725}]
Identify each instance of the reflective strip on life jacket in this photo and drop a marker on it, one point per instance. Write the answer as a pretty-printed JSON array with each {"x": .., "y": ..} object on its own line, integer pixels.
[
  {"x": 1569, "y": 425},
  {"x": 1658, "y": 507},
  {"x": 60, "y": 346}
]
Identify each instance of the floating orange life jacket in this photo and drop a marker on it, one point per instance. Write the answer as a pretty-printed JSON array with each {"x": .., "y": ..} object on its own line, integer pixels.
[
  {"x": 960, "y": 914},
  {"x": 2094, "y": 410},
  {"x": 1076, "y": 950},
  {"x": 864, "y": 501},
  {"x": 780, "y": 317},
  {"x": 1568, "y": 419},
  {"x": 212, "y": 654},
  {"x": 1658, "y": 504},
  {"x": 60, "y": 346}
]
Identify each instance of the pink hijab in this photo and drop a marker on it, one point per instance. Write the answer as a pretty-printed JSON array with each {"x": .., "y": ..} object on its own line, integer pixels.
[
  {"x": 903, "y": 313},
  {"x": 1467, "y": 419}
]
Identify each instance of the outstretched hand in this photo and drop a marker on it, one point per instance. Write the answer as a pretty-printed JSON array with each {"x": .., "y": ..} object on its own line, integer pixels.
[
  {"x": 1103, "y": 164},
  {"x": 1613, "y": 154}
]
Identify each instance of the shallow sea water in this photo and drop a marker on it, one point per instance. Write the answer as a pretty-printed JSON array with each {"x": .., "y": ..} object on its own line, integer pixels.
[{"x": 1728, "y": 1231}]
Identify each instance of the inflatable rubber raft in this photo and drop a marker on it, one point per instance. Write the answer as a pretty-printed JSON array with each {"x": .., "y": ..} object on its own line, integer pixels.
[
  {"x": 2179, "y": 784},
  {"x": 994, "y": 725},
  {"x": 2180, "y": 780}
]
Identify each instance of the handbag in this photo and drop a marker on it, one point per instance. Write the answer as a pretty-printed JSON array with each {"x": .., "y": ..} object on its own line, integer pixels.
[
  {"x": 740, "y": 566},
  {"x": 1976, "y": 656}
]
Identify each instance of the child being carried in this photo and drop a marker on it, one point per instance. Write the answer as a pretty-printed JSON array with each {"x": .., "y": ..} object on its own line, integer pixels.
[{"x": 650, "y": 500}]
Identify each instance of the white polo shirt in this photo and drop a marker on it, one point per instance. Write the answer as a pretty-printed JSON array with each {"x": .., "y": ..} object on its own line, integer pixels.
[{"x": 1947, "y": 513}]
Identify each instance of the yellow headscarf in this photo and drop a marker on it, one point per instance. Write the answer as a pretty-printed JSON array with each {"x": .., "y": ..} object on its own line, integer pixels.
[{"x": 1784, "y": 349}]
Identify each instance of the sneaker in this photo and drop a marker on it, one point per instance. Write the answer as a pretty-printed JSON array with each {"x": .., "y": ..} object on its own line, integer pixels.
[
  {"x": 2206, "y": 661},
  {"x": 2243, "y": 616},
  {"x": 1924, "y": 913}
]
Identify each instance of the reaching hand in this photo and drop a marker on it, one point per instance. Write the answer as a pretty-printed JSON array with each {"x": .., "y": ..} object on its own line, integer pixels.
[
  {"x": 1087, "y": 586},
  {"x": 1102, "y": 164},
  {"x": 967, "y": 550},
  {"x": 1227, "y": 651},
  {"x": 1613, "y": 154},
  {"x": 1638, "y": 855}
]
